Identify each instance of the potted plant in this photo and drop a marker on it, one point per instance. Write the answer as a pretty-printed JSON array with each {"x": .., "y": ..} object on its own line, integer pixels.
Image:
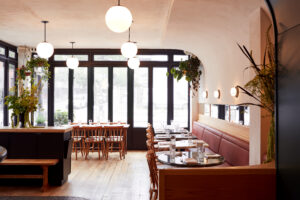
[
  {"x": 26, "y": 98},
  {"x": 262, "y": 88},
  {"x": 190, "y": 69}
]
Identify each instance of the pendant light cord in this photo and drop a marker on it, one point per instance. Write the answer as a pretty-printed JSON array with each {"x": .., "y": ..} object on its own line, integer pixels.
[
  {"x": 119, "y": 2},
  {"x": 129, "y": 35},
  {"x": 45, "y": 29},
  {"x": 72, "y": 48}
]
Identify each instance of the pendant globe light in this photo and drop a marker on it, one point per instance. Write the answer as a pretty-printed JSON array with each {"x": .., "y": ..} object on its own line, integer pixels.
[
  {"x": 129, "y": 49},
  {"x": 118, "y": 18},
  {"x": 45, "y": 49},
  {"x": 133, "y": 63},
  {"x": 72, "y": 62}
]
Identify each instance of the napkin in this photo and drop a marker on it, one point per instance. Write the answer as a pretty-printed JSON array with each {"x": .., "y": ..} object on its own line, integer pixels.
[
  {"x": 212, "y": 155},
  {"x": 191, "y": 161}
]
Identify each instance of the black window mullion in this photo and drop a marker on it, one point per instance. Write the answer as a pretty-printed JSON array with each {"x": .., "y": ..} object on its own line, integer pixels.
[
  {"x": 90, "y": 93},
  {"x": 51, "y": 94},
  {"x": 110, "y": 93},
  {"x": 189, "y": 106},
  {"x": 130, "y": 97},
  {"x": 150, "y": 95},
  {"x": 71, "y": 88},
  {"x": 6, "y": 91},
  {"x": 170, "y": 86}
]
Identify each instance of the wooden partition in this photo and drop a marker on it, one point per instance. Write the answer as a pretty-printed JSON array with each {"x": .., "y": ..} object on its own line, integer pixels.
[{"x": 230, "y": 183}]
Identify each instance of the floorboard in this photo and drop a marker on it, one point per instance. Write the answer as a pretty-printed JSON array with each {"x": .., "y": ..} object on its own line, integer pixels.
[{"x": 95, "y": 179}]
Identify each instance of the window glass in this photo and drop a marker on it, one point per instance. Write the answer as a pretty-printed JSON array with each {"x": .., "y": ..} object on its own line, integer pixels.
[
  {"x": 214, "y": 111},
  {"x": 120, "y": 94},
  {"x": 11, "y": 54},
  {"x": 61, "y": 95},
  {"x": 11, "y": 83},
  {"x": 40, "y": 116},
  {"x": 65, "y": 57},
  {"x": 247, "y": 116},
  {"x": 160, "y": 97},
  {"x": 140, "y": 97},
  {"x": 181, "y": 102},
  {"x": 179, "y": 58},
  {"x": 207, "y": 109},
  {"x": 100, "y": 94},
  {"x": 1, "y": 92},
  {"x": 2, "y": 51},
  {"x": 157, "y": 58},
  {"x": 234, "y": 114},
  {"x": 109, "y": 58},
  {"x": 80, "y": 94},
  {"x": 227, "y": 114}
]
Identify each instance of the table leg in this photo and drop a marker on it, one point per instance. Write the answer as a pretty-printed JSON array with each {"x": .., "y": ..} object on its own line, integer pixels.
[{"x": 45, "y": 178}]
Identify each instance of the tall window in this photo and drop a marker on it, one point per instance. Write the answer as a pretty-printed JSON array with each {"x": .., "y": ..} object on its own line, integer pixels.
[
  {"x": 1, "y": 92},
  {"x": 41, "y": 116},
  {"x": 140, "y": 97},
  {"x": 61, "y": 95},
  {"x": 100, "y": 94},
  {"x": 214, "y": 111},
  {"x": 80, "y": 94},
  {"x": 11, "y": 83},
  {"x": 181, "y": 102},
  {"x": 120, "y": 94},
  {"x": 160, "y": 96}
]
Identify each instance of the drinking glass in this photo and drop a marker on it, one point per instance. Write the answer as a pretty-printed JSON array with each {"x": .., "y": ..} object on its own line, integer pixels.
[
  {"x": 190, "y": 136},
  {"x": 90, "y": 122},
  {"x": 69, "y": 122},
  {"x": 200, "y": 152}
]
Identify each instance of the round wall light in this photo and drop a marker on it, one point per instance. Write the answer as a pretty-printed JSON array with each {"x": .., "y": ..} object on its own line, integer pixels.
[
  {"x": 217, "y": 94},
  {"x": 234, "y": 92},
  {"x": 118, "y": 18},
  {"x": 45, "y": 49},
  {"x": 133, "y": 63},
  {"x": 205, "y": 94}
]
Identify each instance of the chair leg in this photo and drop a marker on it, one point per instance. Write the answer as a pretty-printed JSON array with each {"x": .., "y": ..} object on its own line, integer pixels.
[
  {"x": 76, "y": 151},
  {"x": 151, "y": 194},
  {"x": 87, "y": 149},
  {"x": 99, "y": 150},
  {"x": 107, "y": 150},
  {"x": 80, "y": 146},
  {"x": 120, "y": 151}
]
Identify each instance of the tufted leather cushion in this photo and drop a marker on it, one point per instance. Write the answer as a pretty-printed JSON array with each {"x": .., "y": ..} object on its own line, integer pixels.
[
  {"x": 198, "y": 130},
  {"x": 235, "y": 151},
  {"x": 212, "y": 139}
]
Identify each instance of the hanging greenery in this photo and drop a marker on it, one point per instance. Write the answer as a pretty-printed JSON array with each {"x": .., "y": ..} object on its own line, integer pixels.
[
  {"x": 25, "y": 99},
  {"x": 262, "y": 88},
  {"x": 190, "y": 69}
]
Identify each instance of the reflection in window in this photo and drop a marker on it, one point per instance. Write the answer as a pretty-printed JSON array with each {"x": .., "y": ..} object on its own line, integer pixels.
[
  {"x": 120, "y": 94},
  {"x": 247, "y": 116},
  {"x": 2, "y": 51},
  {"x": 11, "y": 83},
  {"x": 101, "y": 94},
  {"x": 234, "y": 114},
  {"x": 11, "y": 54},
  {"x": 207, "y": 109},
  {"x": 1, "y": 92},
  {"x": 179, "y": 58},
  {"x": 157, "y": 58},
  {"x": 141, "y": 97},
  {"x": 160, "y": 97},
  {"x": 227, "y": 113},
  {"x": 40, "y": 116},
  {"x": 109, "y": 58},
  {"x": 61, "y": 95},
  {"x": 181, "y": 102},
  {"x": 214, "y": 111},
  {"x": 65, "y": 57},
  {"x": 80, "y": 94}
]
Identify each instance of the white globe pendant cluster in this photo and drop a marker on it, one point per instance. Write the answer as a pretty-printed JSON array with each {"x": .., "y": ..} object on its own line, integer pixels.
[
  {"x": 45, "y": 49},
  {"x": 72, "y": 62},
  {"x": 119, "y": 19}
]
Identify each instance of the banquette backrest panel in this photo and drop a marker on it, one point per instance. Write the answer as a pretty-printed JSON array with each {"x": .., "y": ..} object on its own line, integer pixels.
[{"x": 234, "y": 150}]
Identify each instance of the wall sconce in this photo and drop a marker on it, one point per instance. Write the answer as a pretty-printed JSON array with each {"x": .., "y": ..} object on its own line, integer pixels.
[
  {"x": 234, "y": 92},
  {"x": 205, "y": 94},
  {"x": 217, "y": 94}
]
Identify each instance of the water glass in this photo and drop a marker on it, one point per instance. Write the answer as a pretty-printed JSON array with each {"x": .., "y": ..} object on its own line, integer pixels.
[
  {"x": 172, "y": 152},
  {"x": 90, "y": 122},
  {"x": 69, "y": 122},
  {"x": 200, "y": 151},
  {"x": 168, "y": 132},
  {"x": 190, "y": 136}
]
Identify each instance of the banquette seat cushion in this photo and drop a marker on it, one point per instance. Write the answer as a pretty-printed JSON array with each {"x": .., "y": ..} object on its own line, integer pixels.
[{"x": 234, "y": 150}]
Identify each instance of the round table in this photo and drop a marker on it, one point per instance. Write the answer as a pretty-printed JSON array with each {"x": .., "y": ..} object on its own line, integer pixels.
[{"x": 180, "y": 160}]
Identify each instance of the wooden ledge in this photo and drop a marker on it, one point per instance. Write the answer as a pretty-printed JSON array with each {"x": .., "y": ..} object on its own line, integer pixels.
[{"x": 50, "y": 129}]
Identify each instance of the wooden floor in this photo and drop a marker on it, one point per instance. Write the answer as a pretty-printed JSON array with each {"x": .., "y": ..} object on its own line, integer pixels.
[{"x": 99, "y": 180}]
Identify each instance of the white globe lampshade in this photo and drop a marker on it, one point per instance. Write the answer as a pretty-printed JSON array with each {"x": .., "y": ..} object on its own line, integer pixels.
[
  {"x": 72, "y": 63},
  {"x": 134, "y": 63},
  {"x": 118, "y": 19},
  {"x": 129, "y": 49},
  {"x": 45, "y": 50}
]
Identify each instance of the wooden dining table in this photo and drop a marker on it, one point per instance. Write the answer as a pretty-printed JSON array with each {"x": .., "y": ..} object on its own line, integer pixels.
[{"x": 180, "y": 145}]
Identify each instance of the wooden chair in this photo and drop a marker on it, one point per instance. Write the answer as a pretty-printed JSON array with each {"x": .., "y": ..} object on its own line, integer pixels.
[
  {"x": 78, "y": 140},
  {"x": 153, "y": 174},
  {"x": 115, "y": 140},
  {"x": 94, "y": 136}
]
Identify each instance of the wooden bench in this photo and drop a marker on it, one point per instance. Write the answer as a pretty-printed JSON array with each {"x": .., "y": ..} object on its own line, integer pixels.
[{"x": 44, "y": 163}]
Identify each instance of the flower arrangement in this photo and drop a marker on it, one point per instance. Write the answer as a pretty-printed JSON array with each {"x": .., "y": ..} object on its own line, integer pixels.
[
  {"x": 26, "y": 98},
  {"x": 190, "y": 69}
]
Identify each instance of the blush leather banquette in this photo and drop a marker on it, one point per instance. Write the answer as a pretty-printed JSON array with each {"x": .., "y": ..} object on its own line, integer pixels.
[{"x": 234, "y": 150}]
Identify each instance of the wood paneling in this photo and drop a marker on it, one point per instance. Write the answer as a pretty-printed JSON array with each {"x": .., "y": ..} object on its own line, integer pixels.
[{"x": 233, "y": 129}]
